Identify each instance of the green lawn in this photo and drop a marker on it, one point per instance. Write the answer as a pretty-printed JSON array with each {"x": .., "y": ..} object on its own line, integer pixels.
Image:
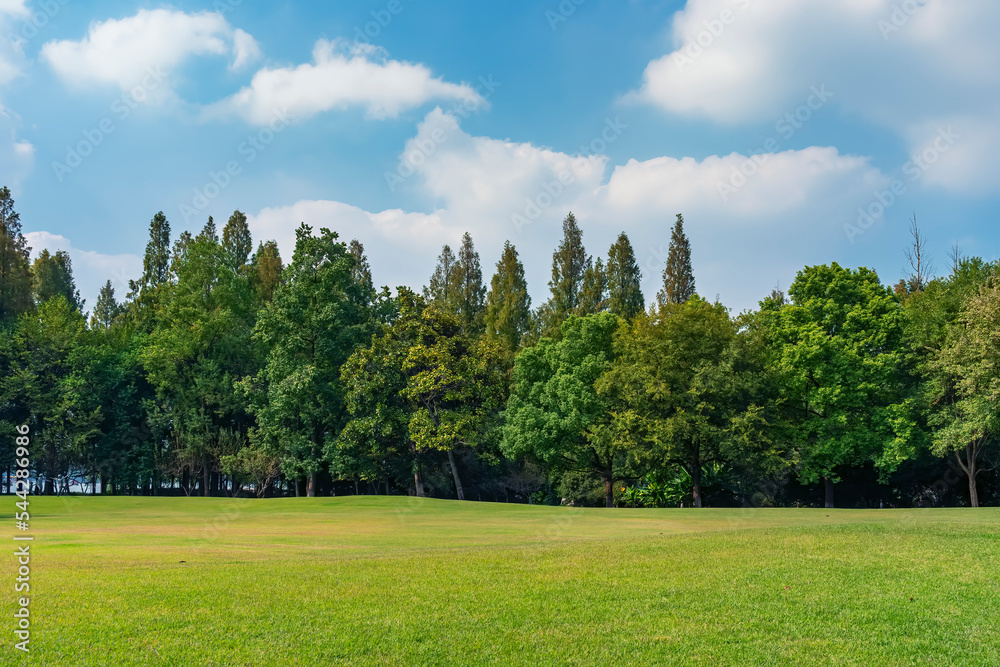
[{"x": 397, "y": 581}]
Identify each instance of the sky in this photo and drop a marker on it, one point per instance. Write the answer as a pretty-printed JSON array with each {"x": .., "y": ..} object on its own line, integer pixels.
[{"x": 787, "y": 132}]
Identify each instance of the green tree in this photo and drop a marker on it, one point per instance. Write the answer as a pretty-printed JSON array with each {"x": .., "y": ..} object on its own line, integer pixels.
[
  {"x": 594, "y": 291},
  {"x": 569, "y": 266},
  {"x": 555, "y": 414},
  {"x": 361, "y": 274},
  {"x": 52, "y": 276},
  {"x": 840, "y": 350},
  {"x": 144, "y": 294},
  {"x": 237, "y": 240},
  {"x": 964, "y": 384},
  {"x": 443, "y": 289},
  {"x": 683, "y": 392},
  {"x": 443, "y": 389},
  {"x": 470, "y": 293},
  {"x": 156, "y": 261},
  {"x": 15, "y": 267},
  {"x": 200, "y": 348},
  {"x": 267, "y": 268},
  {"x": 106, "y": 309},
  {"x": 52, "y": 384},
  {"x": 317, "y": 319},
  {"x": 508, "y": 304},
  {"x": 209, "y": 232},
  {"x": 624, "y": 280},
  {"x": 678, "y": 277}
]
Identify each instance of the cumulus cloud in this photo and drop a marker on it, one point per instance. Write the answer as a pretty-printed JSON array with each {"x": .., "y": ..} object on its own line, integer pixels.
[
  {"x": 90, "y": 269},
  {"x": 911, "y": 66},
  {"x": 793, "y": 207},
  {"x": 338, "y": 78},
  {"x": 122, "y": 52}
]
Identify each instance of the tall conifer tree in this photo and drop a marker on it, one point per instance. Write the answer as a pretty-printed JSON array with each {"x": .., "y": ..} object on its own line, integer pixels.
[
  {"x": 52, "y": 276},
  {"x": 678, "y": 278},
  {"x": 624, "y": 280},
  {"x": 237, "y": 240},
  {"x": 106, "y": 309},
  {"x": 441, "y": 290},
  {"x": 15, "y": 267},
  {"x": 470, "y": 293},
  {"x": 508, "y": 305},
  {"x": 569, "y": 264},
  {"x": 594, "y": 292}
]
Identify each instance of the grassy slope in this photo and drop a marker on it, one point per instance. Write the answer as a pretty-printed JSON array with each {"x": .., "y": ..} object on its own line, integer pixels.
[{"x": 375, "y": 580}]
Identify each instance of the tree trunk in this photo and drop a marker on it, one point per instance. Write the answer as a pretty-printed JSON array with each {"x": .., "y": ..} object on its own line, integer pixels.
[
  {"x": 696, "y": 482},
  {"x": 311, "y": 486},
  {"x": 50, "y": 488},
  {"x": 969, "y": 468},
  {"x": 459, "y": 491},
  {"x": 298, "y": 492},
  {"x": 609, "y": 492},
  {"x": 828, "y": 484},
  {"x": 418, "y": 483},
  {"x": 205, "y": 478}
]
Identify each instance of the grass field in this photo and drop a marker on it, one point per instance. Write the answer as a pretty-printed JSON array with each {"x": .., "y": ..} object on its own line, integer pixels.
[{"x": 397, "y": 581}]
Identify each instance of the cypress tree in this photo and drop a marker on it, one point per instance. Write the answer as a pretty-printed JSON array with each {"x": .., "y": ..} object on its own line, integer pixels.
[
  {"x": 508, "y": 305},
  {"x": 15, "y": 266},
  {"x": 569, "y": 264},
  {"x": 470, "y": 293},
  {"x": 267, "y": 268},
  {"x": 441, "y": 290},
  {"x": 208, "y": 232},
  {"x": 237, "y": 240},
  {"x": 678, "y": 278},
  {"x": 156, "y": 261},
  {"x": 624, "y": 280}
]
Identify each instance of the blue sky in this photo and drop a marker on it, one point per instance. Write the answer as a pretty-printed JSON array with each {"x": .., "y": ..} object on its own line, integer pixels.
[{"x": 404, "y": 123}]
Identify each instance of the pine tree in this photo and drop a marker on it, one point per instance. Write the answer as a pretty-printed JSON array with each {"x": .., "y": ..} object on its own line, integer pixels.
[
  {"x": 508, "y": 305},
  {"x": 624, "y": 280},
  {"x": 15, "y": 256},
  {"x": 52, "y": 276},
  {"x": 106, "y": 309},
  {"x": 267, "y": 270},
  {"x": 361, "y": 274},
  {"x": 470, "y": 293},
  {"x": 678, "y": 278},
  {"x": 593, "y": 294},
  {"x": 569, "y": 263},
  {"x": 237, "y": 240},
  {"x": 441, "y": 290},
  {"x": 156, "y": 262}
]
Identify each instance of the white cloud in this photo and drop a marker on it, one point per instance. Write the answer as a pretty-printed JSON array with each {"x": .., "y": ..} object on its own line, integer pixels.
[
  {"x": 121, "y": 52},
  {"x": 13, "y": 7},
  {"x": 90, "y": 269},
  {"x": 499, "y": 190},
  {"x": 340, "y": 77},
  {"x": 902, "y": 64},
  {"x": 245, "y": 49},
  {"x": 394, "y": 240}
]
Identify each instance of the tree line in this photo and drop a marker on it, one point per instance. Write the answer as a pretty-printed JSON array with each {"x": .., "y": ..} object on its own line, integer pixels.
[{"x": 224, "y": 370}]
